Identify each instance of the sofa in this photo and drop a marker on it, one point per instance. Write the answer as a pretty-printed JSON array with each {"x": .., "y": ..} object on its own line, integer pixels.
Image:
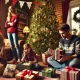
[{"x": 7, "y": 49}]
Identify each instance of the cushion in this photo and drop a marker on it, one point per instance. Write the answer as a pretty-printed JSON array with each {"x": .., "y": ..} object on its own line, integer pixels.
[{"x": 7, "y": 43}]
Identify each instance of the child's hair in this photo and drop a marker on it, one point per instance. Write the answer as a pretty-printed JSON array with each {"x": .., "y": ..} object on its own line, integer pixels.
[{"x": 27, "y": 45}]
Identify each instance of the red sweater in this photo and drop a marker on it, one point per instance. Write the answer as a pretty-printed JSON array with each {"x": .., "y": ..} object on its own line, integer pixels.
[{"x": 14, "y": 28}]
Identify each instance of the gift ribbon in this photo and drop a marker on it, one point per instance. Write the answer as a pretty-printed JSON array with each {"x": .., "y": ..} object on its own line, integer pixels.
[
  {"x": 26, "y": 72},
  {"x": 47, "y": 70},
  {"x": 68, "y": 69}
]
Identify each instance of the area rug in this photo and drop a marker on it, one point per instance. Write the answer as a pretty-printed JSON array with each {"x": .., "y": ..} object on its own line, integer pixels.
[{"x": 40, "y": 77}]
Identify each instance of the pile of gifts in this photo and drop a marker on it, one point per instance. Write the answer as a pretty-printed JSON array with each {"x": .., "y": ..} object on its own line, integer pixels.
[
  {"x": 27, "y": 75},
  {"x": 48, "y": 72},
  {"x": 70, "y": 73},
  {"x": 56, "y": 54}
]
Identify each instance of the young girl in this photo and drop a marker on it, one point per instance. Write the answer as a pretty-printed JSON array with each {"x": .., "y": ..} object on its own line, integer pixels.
[{"x": 30, "y": 56}]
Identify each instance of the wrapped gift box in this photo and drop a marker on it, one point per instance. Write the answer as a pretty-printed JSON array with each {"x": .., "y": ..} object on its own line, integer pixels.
[
  {"x": 44, "y": 58},
  {"x": 70, "y": 73},
  {"x": 26, "y": 75},
  {"x": 47, "y": 54},
  {"x": 22, "y": 66},
  {"x": 9, "y": 70},
  {"x": 48, "y": 72},
  {"x": 57, "y": 54},
  {"x": 1, "y": 69}
]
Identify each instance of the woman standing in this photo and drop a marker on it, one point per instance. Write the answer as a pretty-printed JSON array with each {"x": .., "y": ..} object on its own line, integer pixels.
[{"x": 12, "y": 32}]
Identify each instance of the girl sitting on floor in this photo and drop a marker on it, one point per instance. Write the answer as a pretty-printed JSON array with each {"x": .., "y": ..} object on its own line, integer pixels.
[{"x": 30, "y": 56}]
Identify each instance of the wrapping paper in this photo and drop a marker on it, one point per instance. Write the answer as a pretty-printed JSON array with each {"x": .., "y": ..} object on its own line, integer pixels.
[
  {"x": 44, "y": 58},
  {"x": 48, "y": 72},
  {"x": 23, "y": 66},
  {"x": 70, "y": 73},
  {"x": 57, "y": 54},
  {"x": 26, "y": 75},
  {"x": 9, "y": 70}
]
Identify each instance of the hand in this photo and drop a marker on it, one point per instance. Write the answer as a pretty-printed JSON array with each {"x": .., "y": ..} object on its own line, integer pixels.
[
  {"x": 64, "y": 58},
  {"x": 22, "y": 60},
  {"x": 10, "y": 23}
]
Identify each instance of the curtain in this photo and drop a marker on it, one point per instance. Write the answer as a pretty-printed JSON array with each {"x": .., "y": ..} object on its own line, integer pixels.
[
  {"x": 65, "y": 8},
  {"x": 2, "y": 17}
]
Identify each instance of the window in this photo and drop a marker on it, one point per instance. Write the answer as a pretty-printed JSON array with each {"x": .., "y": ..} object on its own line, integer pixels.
[
  {"x": 73, "y": 23},
  {"x": 74, "y": 6}
]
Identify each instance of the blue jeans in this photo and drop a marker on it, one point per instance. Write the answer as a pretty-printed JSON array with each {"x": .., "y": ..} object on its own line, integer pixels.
[
  {"x": 60, "y": 65},
  {"x": 13, "y": 37}
]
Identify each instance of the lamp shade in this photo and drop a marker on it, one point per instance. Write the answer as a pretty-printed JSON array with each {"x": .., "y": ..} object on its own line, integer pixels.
[{"x": 26, "y": 29}]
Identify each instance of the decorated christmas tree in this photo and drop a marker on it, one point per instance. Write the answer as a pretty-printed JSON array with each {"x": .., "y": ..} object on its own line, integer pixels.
[{"x": 43, "y": 29}]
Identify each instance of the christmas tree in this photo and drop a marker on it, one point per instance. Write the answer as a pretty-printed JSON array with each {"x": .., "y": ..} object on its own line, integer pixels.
[{"x": 43, "y": 29}]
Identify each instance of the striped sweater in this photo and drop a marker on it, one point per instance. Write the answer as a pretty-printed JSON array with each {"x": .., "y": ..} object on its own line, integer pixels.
[{"x": 71, "y": 46}]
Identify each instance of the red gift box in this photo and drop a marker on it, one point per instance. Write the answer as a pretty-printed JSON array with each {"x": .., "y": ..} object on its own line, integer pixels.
[{"x": 70, "y": 73}]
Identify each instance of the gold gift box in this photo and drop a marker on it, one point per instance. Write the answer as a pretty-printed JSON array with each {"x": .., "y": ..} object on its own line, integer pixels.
[
  {"x": 31, "y": 77},
  {"x": 9, "y": 70}
]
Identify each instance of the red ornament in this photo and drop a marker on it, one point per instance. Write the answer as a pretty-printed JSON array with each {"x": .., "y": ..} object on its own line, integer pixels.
[
  {"x": 14, "y": 2},
  {"x": 36, "y": 3}
]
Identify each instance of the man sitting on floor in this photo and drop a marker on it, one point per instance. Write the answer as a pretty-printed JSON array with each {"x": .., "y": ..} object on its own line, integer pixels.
[{"x": 71, "y": 45}]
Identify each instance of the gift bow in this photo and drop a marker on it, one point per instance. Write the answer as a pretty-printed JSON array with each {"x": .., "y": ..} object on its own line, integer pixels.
[
  {"x": 68, "y": 69},
  {"x": 9, "y": 69},
  {"x": 48, "y": 69},
  {"x": 26, "y": 72}
]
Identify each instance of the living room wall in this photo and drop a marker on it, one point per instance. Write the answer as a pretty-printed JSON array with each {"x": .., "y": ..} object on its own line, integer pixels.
[
  {"x": 2, "y": 16},
  {"x": 4, "y": 8}
]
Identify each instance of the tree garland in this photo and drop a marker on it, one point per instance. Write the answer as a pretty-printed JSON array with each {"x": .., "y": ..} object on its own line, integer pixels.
[{"x": 75, "y": 18}]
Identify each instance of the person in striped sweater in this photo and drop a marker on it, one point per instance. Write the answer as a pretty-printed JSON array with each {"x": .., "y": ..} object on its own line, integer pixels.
[{"x": 71, "y": 45}]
